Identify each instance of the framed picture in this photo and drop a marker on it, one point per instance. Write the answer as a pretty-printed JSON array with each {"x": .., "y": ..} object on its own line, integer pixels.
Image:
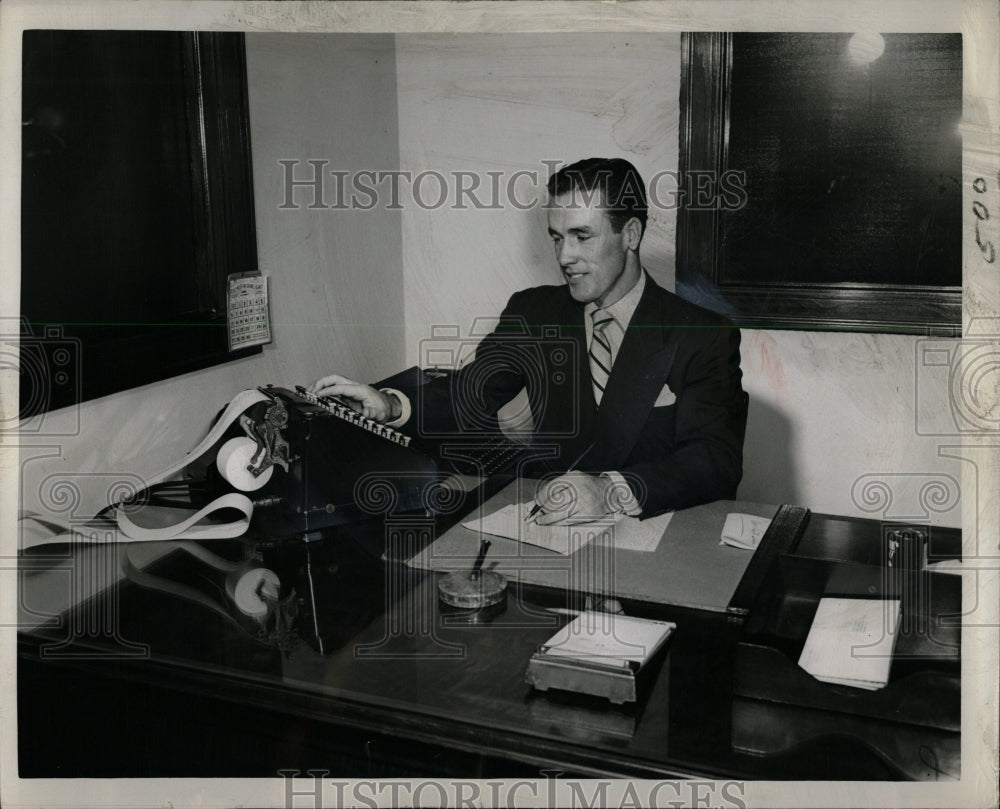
[{"x": 823, "y": 180}]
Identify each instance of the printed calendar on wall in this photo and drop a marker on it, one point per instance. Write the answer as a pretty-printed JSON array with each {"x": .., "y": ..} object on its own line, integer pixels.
[{"x": 247, "y": 308}]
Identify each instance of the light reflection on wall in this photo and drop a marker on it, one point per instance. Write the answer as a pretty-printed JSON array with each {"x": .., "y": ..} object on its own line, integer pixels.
[{"x": 865, "y": 47}]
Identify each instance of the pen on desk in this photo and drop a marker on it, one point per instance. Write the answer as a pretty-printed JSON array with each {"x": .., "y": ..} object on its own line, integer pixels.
[
  {"x": 483, "y": 547},
  {"x": 572, "y": 467}
]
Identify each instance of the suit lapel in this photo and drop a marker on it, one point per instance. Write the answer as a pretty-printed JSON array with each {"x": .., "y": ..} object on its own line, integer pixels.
[
  {"x": 646, "y": 354},
  {"x": 566, "y": 393},
  {"x": 580, "y": 404}
]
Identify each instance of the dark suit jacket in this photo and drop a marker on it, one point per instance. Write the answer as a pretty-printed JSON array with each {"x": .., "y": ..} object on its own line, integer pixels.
[{"x": 673, "y": 456}]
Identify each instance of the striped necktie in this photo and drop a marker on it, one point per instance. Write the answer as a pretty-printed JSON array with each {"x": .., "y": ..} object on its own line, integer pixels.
[{"x": 600, "y": 352}]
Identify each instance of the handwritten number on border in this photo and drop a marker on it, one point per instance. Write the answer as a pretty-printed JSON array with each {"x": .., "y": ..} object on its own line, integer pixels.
[{"x": 982, "y": 213}]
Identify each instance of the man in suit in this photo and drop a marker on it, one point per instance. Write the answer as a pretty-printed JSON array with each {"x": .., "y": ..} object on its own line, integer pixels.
[{"x": 635, "y": 393}]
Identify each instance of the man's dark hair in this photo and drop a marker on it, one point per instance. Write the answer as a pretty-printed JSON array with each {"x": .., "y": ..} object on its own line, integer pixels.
[{"x": 623, "y": 193}]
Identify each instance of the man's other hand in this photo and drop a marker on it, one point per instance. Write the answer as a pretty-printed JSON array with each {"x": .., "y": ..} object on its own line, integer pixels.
[
  {"x": 366, "y": 400},
  {"x": 575, "y": 497}
]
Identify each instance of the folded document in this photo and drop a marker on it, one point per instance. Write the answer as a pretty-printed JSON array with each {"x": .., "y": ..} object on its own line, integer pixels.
[{"x": 744, "y": 531}]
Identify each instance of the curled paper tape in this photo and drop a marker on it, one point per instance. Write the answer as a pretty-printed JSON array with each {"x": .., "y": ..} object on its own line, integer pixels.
[
  {"x": 228, "y": 467},
  {"x": 189, "y": 528},
  {"x": 233, "y": 461}
]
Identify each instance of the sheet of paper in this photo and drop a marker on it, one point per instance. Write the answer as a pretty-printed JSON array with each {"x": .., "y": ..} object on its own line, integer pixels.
[
  {"x": 851, "y": 641},
  {"x": 744, "y": 531},
  {"x": 509, "y": 522},
  {"x": 609, "y": 638},
  {"x": 952, "y": 566},
  {"x": 632, "y": 534},
  {"x": 619, "y": 531},
  {"x": 683, "y": 563}
]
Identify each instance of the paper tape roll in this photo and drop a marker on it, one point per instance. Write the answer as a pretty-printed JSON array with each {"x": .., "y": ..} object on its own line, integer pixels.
[
  {"x": 232, "y": 462},
  {"x": 240, "y": 403},
  {"x": 188, "y": 528},
  {"x": 246, "y": 586}
]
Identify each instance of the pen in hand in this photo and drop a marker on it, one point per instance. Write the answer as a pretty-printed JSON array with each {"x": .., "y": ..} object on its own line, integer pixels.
[{"x": 533, "y": 514}]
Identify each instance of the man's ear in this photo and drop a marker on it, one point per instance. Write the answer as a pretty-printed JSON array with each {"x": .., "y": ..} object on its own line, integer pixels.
[{"x": 632, "y": 233}]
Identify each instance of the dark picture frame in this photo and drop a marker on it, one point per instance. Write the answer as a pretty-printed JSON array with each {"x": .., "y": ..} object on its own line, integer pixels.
[
  {"x": 822, "y": 193},
  {"x": 137, "y": 204}
]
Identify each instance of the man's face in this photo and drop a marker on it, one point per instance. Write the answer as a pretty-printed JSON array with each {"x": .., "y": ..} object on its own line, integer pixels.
[{"x": 593, "y": 258}]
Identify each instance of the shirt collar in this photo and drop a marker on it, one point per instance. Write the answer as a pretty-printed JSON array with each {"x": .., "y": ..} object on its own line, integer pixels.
[{"x": 623, "y": 309}]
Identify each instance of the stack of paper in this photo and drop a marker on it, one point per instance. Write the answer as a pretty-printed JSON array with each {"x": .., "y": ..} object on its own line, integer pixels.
[
  {"x": 609, "y": 638},
  {"x": 851, "y": 641}
]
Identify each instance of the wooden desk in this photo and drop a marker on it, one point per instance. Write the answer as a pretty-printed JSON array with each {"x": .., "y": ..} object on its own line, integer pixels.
[{"x": 176, "y": 690}]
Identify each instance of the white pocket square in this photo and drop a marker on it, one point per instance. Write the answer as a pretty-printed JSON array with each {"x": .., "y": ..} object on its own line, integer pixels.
[{"x": 665, "y": 398}]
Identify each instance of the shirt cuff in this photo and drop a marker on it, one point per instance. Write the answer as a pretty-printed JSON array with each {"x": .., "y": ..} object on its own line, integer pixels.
[
  {"x": 621, "y": 498},
  {"x": 404, "y": 402}
]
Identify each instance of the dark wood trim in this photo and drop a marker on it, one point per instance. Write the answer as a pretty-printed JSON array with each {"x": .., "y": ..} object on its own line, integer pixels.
[
  {"x": 111, "y": 354},
  {"x": 704, "y": 130},
  {"x": 228, "y": 171},
  {"x": 781, "y": 537},
  {"x": 706, "y": 65}
]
